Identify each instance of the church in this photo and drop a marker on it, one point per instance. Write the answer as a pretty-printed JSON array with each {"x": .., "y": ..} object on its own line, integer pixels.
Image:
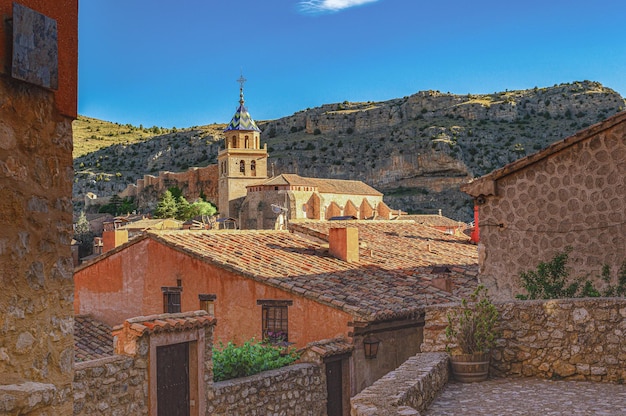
[{"x": 248, "y": 195}]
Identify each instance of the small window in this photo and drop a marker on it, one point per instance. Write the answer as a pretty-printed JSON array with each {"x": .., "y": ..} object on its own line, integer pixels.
[
  {"x": 274, "y": 325},
  {"x": 171, "y": 299},
  {"x": 207, "y": 303},
  {"x": 253, "y": 165},
  {"x": 234, "y": 142},
  {"x": 242, "y": 166}
]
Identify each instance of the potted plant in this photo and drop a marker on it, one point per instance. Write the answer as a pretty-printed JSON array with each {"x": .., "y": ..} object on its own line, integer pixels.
[{"x": 472, "y": 328}]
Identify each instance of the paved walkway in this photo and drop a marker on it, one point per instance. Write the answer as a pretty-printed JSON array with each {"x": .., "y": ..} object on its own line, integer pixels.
[{"x": 529, "y": 396}]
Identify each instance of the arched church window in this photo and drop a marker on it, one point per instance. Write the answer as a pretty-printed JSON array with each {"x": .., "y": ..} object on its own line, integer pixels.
[
  {"x": 234, "y": 142},
  {"x": 242, "y": 166},
  {"x": 247, "y": 142}
]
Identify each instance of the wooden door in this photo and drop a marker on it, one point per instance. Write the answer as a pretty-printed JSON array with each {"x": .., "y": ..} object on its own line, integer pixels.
[
  {"x": 334, "y": 385},
  {"x": 173, "y": 380}
]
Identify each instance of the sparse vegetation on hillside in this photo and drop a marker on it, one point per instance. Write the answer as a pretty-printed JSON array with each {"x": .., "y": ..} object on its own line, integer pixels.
[{"x": 91, "y": 134}]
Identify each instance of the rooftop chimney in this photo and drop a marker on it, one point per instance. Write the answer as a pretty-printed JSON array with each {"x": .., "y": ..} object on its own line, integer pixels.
[
  {"x": 113, "y": 238},
  {"x": 343, "y": 243}
]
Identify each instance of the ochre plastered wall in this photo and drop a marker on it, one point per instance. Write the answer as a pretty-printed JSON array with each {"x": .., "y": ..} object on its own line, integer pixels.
[
  {"x": 575, "y": 197},
  {"x": 129, "y": 284},
  {"x": 65, "y": 12}
]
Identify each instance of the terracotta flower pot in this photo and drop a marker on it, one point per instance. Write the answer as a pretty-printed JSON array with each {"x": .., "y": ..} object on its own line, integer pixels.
[{"x": 468, "y": 368}]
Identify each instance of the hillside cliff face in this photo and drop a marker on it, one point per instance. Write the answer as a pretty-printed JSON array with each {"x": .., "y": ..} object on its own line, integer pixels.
[{"x": 416, "y": 149}]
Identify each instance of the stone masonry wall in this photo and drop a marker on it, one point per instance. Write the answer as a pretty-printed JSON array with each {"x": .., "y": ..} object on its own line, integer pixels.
[
  {"x": 111, "y": 386},
  {"x": 573, "y": 339},
  {"x": 298, "y": 390},
  {"x": 36, "y": 268},
  {"x": 407, "y": 390},
  {"x": 575, "y": 197}
]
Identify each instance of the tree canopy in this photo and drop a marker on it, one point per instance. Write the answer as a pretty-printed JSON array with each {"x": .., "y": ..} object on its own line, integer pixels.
[{"x": 170, "y": 206}]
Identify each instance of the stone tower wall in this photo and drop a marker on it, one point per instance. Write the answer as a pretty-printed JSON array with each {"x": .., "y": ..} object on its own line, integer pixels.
[
  {"x": 36, "y": 342},
  {"x": 36, "y": 267}
]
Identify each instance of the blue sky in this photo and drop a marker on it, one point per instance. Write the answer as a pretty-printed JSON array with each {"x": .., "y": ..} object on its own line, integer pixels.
[{"x": 175, "y": 63}]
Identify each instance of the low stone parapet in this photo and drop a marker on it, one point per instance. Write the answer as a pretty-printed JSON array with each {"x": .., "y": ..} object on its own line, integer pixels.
[
  {"x": 110, "y": 386},
  {"x": 570, "y": 339},
  {"x": 298, "y": 390},
  {"x": 406, "y": 391}
]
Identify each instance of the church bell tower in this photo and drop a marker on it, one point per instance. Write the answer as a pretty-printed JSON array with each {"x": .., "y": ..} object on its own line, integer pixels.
[{"x": 242, "y": 161}]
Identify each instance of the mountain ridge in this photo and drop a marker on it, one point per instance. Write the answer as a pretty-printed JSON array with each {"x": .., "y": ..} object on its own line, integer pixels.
[{"x": 416, "y": 149}]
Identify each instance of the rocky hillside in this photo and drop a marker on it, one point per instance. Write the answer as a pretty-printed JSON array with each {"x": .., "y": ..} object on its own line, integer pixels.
[{"x": 415, "y": 149}]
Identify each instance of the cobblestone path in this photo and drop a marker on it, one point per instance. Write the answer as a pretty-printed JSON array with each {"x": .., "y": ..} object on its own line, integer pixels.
[{"x": 529, "y": 396}]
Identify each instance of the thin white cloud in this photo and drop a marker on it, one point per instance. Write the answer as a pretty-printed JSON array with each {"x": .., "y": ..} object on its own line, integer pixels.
[{"x": 330, "y": 6}]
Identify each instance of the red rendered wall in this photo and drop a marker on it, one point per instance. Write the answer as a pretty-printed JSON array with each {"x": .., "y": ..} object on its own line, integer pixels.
[
  {"x": 65, "y": 12},
  {"x": 129, "y": 284}
]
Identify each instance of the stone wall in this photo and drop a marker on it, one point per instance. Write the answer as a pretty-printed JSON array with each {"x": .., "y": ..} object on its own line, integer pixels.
[
  {"x": 571, "y": 195},
  {"x": 296, "y": 390},
  {"x": 192, "y": 183},
  {"x": 573, "y": 339},
  {"x": 36, "y": 266},
  {"x": 408, "y": 390},
  {"x": 111, "y": 386}
]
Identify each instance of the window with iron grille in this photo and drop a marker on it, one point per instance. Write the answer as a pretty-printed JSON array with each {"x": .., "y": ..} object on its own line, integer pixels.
[
  {"x": 274, "y": 325},
  {"x": 207, "y": 303},
  {"x": 171, "y": 299}
]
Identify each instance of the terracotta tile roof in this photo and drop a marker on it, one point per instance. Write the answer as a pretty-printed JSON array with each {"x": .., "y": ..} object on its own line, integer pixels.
[
  {"x": 92, "y": 339},
  {"x": 473, "y": 187},
  {"x": 325, "y": 186},
  {"x": 330, "y": 347},
  {"x": 167, "y": 322},
  {"x": 432, "y": 220},
  {"x": 393, "y": 278}
]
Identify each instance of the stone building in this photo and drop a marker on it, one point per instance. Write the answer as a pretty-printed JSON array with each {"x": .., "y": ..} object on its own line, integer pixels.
[
  {"x": 318, "y": 282},
  {"x": 242, "y": 162},
  {"x": 38, "y": 72},
  {"x": 308, "y": 198},
  {"x": 571, "y": 194}
]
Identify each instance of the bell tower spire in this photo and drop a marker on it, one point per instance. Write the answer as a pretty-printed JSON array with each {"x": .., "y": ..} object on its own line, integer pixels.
[
  {"x": 241, "y": 82},
  {"x": 242, "y": 161}
]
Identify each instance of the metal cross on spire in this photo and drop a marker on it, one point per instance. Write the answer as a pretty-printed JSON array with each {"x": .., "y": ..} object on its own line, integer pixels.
[{"x": 241, "y": 81}]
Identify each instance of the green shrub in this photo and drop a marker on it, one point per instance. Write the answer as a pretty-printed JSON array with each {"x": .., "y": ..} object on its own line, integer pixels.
[
  {"x": 252, "y": 357},
  {"x": 473, "y": 327},
  {"x": 550, "y": 280}
]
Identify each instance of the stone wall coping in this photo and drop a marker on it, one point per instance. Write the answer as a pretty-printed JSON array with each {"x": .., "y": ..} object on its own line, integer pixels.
[
  {"x": 406, "y": 391},
  {"x": 25, "y": 397},
  {"x": 269, "y": 374},
  {"x": 83, "y": 365}
]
